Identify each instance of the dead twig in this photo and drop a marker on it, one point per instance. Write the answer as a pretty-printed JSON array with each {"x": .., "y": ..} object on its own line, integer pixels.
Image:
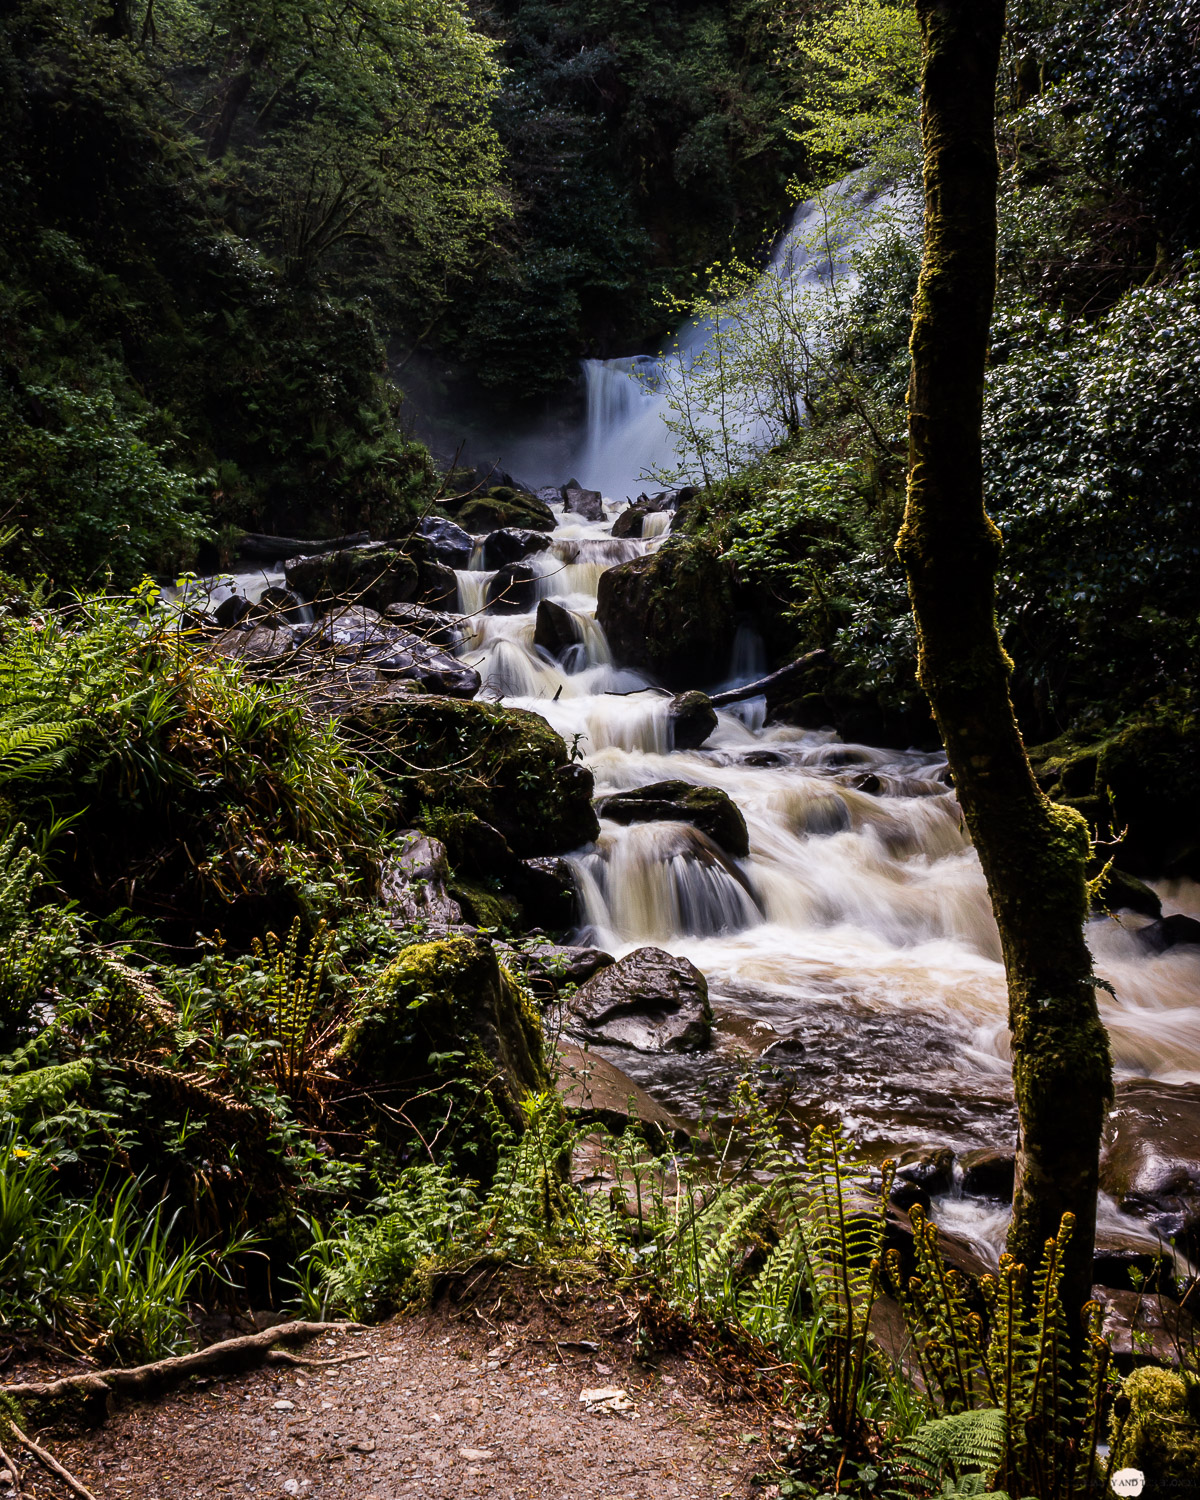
[{"x": 53, "y": 1465}]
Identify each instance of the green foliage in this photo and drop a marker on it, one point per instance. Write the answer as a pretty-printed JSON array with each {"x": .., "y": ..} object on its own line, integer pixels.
[
  {"x": 292, "y": 994},
  {"x": 965, "y": 1443},
  {"x": 1155, "y": 1427},
  {"x": 1042, "y": 1402},
  {"x": 103, "y": 1274},
  {"x": 35, "y": 936},
  {"x": 861, "y": 62}
]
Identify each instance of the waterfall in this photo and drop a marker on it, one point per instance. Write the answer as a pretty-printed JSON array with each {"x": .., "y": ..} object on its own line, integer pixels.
[{"x": 627, "y": 440}]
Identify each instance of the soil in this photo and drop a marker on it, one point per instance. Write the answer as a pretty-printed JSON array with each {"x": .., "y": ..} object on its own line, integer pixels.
[{"x": 479, "y": 1396}]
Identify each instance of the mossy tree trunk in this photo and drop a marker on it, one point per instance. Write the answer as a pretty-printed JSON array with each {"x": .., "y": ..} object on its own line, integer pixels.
[{"x": 1033, "y": 852}]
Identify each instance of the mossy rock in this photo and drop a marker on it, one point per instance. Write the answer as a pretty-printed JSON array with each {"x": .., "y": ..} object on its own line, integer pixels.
[
  {"x": 448, "y": 1010},
  {"x": 503, "y": 507},
  {"x": 1143, "y": 780},
  {"x": 445, "y": 756},
  {"x": 484, "y": 907},
  {"x": 705, "y": 807},
  {"x": 1161, "y": 1434},
  {"x": 671, "y": 613},
  {"x": 372, "y": 576}
]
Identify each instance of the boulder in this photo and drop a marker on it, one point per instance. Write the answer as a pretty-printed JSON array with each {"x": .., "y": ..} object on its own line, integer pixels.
[
  {"x": 444, "y": 542},
  {"x": 356, "y": 636},
  {"x": 785, "y": 1051},
  {"x": 822, "y": 814},
  {"x": 704, "y": 807},
  {"x": 932, "y": 1167},
  {"x": 586, "y": 503},
  {"x": 1131, "y": 1263},
  {"x": 448, "y": 1010},
  {"x": 648, "y": 1001},
  {"x": 692, "y": 719},
  {"x": 629, "y": 522},
  {"x": 262, "y": 647},
  {"x": 505, "y": 766},
  {"x": 557, "y": 629},
  {"x": 1138, "y": 1326},
  {"x": 511, "y": 544},
  {"x": 671, "y": 613},
  {"x": 502, "y": 508},
  {"x": 594, "y": 1089},
  {"x": 278, "y": 605},
  {"x": 1150, "y": 1156},
  {"x": 558, "y": 965},
  {"x": 1121, "y": 892},
  {"x": 437, "y": 586},
  {"x": 438, "y": 627},
  {"x": 231, "y": 610},
  {"x": 1174, "y": 931},
  {"x": 512, "y": 590},
  {"x": 413, "y": 885},
  {"x": 375, "y": 576},
  {"x": 989, "y": 1173},
  {"x": 546, "y": 890}
]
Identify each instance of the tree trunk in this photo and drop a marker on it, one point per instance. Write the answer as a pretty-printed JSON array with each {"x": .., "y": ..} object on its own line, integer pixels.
[{"x": 1033, "y": 852}]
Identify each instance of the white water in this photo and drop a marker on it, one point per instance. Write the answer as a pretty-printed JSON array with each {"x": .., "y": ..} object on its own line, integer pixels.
[
  {"x": 860, "y": 920},
  {"x": 628, "y": 442}
]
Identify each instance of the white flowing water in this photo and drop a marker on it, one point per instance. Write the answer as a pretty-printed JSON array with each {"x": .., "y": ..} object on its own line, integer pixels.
[{"x": 859, "y": 923}]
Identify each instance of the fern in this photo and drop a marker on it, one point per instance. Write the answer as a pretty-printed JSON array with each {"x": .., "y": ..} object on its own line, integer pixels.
[
  {"x": 966, "y": 1442},
  {"x": 293, "y": 991}
]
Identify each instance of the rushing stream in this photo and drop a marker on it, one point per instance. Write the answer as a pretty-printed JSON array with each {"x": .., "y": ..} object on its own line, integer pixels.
[{"x": 858, "y": 927}]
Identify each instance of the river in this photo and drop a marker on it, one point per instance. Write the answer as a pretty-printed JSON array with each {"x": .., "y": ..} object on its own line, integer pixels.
[{"x": 859, "y": 926}]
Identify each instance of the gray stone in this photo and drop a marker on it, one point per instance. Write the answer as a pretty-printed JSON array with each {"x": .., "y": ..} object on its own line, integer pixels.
[
  {"x": 278, "y": 605},
  {"x": 705, "y": 807},
  {"x": 649, "y": 1001},
  {"x": 1150, "y": 1156},
  {"x": 561, "y": 964},
  {"x": 231, "y": 611},
  {"x": 594, "y": 1089},
  {"x": 374, "y": 575},
  {"x": 989, "y": 1173},
  {"x": 445, "y": 542},
  {"x": 586, "y": 503},
  {"x": 438, "y": 627},
  {"x": 413, "y": 885},
  {"x": 511, "y": 591},
  {"x": 1138, "y": 1327}
]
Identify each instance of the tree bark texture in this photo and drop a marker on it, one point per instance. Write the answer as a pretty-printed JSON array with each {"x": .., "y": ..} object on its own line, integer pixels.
[{"x": 1033, "y": 852}]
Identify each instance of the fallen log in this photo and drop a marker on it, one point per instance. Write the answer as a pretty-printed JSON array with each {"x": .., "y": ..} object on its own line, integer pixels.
[
  {"x": 82, "y": 1400},
  {"x": 253, "y": 546},
  {"x": 773, "y": 680}
]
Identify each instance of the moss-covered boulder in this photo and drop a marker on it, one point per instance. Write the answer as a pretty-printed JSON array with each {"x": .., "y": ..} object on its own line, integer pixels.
[
  {"x": 449, "y": 1012},
  {"x": 449, "y": 759},
  {"x": 374, "y": 576},
  {"x": 504, "y": 507},
  {"x": 1159, "y": 1433},
  {"x": 705, "y": 807},
  {"x": 1143, "y": 780},
  {"x": 671, "y": 613}
]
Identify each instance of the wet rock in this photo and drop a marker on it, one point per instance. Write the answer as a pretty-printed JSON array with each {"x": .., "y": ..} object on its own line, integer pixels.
[
  {"x": 822, "y": 815},
  {"x": 1174, "y": 931},
  {"x": 261, "y": 647},
  {"x": 595, "y": 1089},
  {"x": 1120, "y": 1259},
  {"x": 557, "y": 629},
  {"x": 932, "y": 1167},
  {"x": 704, "y": 807},
  {"x": 989, "y": 1173},
  {"x": 1122, "y": 892},
  {"x": 649, "y": 1001},
  {"x": 438, "y": 627},
  {"x": 278, "y": 605},
  {"x": 905, "y": 1193},
  {"x": 956, "y": 1252},
  {"x": 512, "y": 590},
  {"x": 559, "y": 964},
  {"x": 413, "y": 884},
  {"x": 375, "y": 576},
  {"x": 671, "y": 613},
  {"x": 629, "y": 522},
  {"x": 546, "y": 890},
  {"x": 764, "y": 759},
  {"x": 692, "y": 719},
  {"x": 1150, "y": 1156},
  {"x": 785, "y": 1050},
  {"x": 1137, "y": 1327},
  {"x": 253, "y": 546},
  {"x": 231, "y": 611},
  {"x": 509, "y": 545},
  {"x": 445, "y": 542},
  {"x": 503, "y": 507},
  {"x": 586, "y": 503},
  {"x": 437, "y": 586},
  {"x": 356, "y": 636}
]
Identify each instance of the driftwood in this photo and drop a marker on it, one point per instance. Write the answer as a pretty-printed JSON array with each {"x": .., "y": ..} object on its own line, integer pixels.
[
  {"x": 85, "y": 1397},
  {"x": 254, "y": 547},
  {"x": 773, "y": 680}
]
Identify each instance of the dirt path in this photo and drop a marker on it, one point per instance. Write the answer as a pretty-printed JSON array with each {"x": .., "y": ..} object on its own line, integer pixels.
[{"x": 479, "y": 1399}]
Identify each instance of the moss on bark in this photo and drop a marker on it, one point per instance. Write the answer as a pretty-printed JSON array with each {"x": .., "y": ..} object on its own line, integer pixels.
[{"x": 1034, "y": 853}]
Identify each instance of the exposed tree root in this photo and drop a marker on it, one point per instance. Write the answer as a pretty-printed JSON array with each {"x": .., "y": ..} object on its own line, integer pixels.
[
  {"x": 83, "y": 1399},
  {"x": 53, "y": 1465}
]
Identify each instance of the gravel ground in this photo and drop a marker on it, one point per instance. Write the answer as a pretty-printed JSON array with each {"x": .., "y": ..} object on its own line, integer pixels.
[{"x": 482, "y": 1398}]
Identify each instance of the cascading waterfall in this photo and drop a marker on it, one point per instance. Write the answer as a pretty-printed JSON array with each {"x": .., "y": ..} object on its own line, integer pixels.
[{"x": 860, "y": 920}]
